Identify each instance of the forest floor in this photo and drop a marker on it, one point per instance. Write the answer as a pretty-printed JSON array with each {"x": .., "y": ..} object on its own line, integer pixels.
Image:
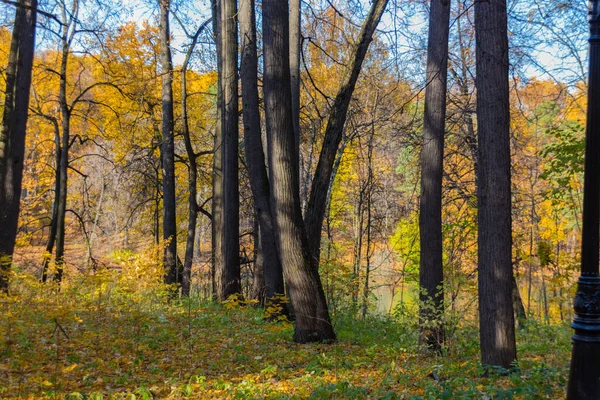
[{"x": 103, "y": 337}]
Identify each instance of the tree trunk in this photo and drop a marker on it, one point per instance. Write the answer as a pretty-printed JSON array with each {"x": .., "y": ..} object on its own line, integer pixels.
[
  {"x": 300, "y": 270},
  {"x": 193, "y": 173},
  {"x": 228, "y": 278},
  {"x": 295, "y": 49},
  {"x": 217, "y": 174},
  {"x": 431, "y": 272},
  {"x": 317, "y": 202},
  {"x": 167, "y": 148},
  {"x": 255, "y": 156},
  {"x": 14, "y": 125},
  {"x": 496, "y": 317}
]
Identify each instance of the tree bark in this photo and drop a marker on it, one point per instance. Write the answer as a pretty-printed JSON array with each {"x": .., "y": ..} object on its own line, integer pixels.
[
  {"x": 315, "y": 211},
  {"x": 300, "y": 270},
  {"x": 228, "y": 281},
  {"x": 255, "y": 157},
  {"x": 431, "y": 272},
  {"x": 496, "y": 317},
  {"x": 217, "y": 174},
  {"x": 193, "y": 172},
  {"x": 167, "y": 148},
  {"x": 13, "y": 131},
  {"x": 295, "y": 49}
]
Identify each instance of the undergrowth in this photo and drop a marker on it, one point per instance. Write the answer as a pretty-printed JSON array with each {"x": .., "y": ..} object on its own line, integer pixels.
[{"x": 118, "y": 335}]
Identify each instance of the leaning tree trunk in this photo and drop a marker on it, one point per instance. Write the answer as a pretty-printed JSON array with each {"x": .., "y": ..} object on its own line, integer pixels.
[
  {"x": 228, "y": 277},
  {"x": 167, "y": 148},
  {"x": 317, "y": 202},
  {"x": 299, "y": 268},
  {"x": 14, "y": 125},
  {"x": 255, "y": 159},
  {"x": 431, "y": 273},
  {"x": 496, "y": 318},
  {"x": 217, "y": 172}
]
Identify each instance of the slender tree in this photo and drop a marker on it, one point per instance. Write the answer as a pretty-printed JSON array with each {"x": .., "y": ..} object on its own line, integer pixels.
[
  {"x": 13, "y": 130},
  {"x": 228, "y": 277},
  {"x": 315, "y": 212},
  {"x": 496, "y": 318},
  {"x": 299, "y": 268},
  {"x": 217, "y": 172},
  {"x": 295, "y": 49},
  {"x": 167, "y": 148},
  {"x": 431, "y": 274},
  {"x": 255, "y": 158}
]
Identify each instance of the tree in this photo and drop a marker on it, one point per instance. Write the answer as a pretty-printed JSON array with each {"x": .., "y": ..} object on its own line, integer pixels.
[
  {"x": 167, "y": 148},
  {"x": 317, "y": 203},
  {"x": 14, "y": 124},
  {"x": 299, "y": 267},
  {"x": 272, "y": 282},
  {"x": 431, "y": 273},
  {"x": 227, "y": 277},
  {"x": 496, "y": 318}
]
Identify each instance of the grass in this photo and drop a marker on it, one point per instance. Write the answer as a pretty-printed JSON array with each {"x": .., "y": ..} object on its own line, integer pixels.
[{"x": 107, "y": 336}]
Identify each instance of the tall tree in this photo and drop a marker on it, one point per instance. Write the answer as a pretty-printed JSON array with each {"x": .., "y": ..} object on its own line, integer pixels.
[
  {"x": 255, "y": 158},
  {"x": 431, "y": 273},
  {"x": 193, "y": 207},
  {"x": 317, "y": 203},
  {"x": 167, "y": 148},
  {"x": 14, "y": 124},
  {"x": 299, "y": 268},
  {"x": 295, "y": 49},
  {"x": 496, "y": 318},
  {"x": 217, "y": 172},
  {"x": 228, "y": 277}
]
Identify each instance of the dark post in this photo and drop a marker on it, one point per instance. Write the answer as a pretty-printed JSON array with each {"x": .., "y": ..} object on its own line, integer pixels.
[{"x": 584, "y": 377}]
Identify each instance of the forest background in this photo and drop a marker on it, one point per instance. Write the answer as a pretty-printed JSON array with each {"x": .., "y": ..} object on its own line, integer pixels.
[{"x": 109, "y": 255}]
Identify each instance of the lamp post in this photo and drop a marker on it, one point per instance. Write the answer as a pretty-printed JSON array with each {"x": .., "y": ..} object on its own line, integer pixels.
[{"x": 584, "y": 377}]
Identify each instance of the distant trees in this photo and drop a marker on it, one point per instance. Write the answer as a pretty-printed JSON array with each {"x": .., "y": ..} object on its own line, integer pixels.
[
  {"x": 13, "y": 129},
  {"x": 496, "y": 318}
]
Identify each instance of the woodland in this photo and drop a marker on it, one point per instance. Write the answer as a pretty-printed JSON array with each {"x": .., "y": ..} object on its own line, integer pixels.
[{"x": 290, "y": 199}]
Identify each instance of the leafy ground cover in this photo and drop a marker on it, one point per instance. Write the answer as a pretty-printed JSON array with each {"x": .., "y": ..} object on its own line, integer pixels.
[{"x": 112, "y": 336}]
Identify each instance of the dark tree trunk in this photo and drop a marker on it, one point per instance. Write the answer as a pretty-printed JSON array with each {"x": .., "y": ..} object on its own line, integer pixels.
[
  {"x": 299, "y": 268},
  {"x": 65, "y": 111},
  {"x": 193, "y": 173},
  {"x": 255, "y": 158},
  {"x": 228, "y": 278},
  {"x": 14, "y": 125},
  {"x": 317, "y": 202},
  {"x": 217, "y": 173},
  {"x": 431, "y": 272},
  {"x": 496, "y": 317},
  {"x": 167, "y": 148},
  {"x": 53, "y": 222},
  {"x": 295, "y": 49}
]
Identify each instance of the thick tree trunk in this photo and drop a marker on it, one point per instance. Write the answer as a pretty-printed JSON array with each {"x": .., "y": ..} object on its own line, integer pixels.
[
  {"x": 228, "y": 278},
  {"x": 317, "y": 203},
  {"x": 167, "y": 148},
  {"x": 255, "y": 157},
  {"x": 217, "y": 173},
  {"x": 14, "y": 125},
  {"x": 496, "y": 317},
  {"x": 431, "y": 272},
  {"x": 299, "y": 268}
]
